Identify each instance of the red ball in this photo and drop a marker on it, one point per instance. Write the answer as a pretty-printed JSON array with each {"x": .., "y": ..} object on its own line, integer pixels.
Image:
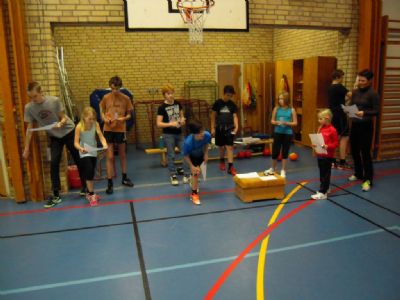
[
  {"x": 248, "y": 154},
  {"x": 293, "y": 156},
  {"x": 240, "y": 155},
  {"x": 266, "y": 152}
]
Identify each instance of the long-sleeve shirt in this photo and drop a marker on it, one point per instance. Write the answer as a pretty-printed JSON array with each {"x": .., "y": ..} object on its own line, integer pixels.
[
  {"x": 331, "y": 140},
  {"x": 367, "y": 100}
]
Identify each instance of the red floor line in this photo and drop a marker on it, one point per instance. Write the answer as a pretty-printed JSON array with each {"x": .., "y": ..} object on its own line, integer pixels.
[
  {"x": 70, "y": 207},
  {"x": 212, "y": 292}
]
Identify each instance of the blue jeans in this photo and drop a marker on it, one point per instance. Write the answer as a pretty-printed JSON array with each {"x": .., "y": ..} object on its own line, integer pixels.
[{"x": 171, "y": 141}]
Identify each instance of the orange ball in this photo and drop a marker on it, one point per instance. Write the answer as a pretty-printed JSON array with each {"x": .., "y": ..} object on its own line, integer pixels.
[
  {"x": 266, "y": 152},
  {"x": 293, "y": 156}
]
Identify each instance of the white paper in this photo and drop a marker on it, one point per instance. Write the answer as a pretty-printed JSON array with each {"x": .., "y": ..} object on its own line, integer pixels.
[
  {"x": 203, "y": 168},
  {"x": 351, "y": 111},
  {"x": 268, "y": 177},
  {"x": 318, "y": 140},
  {"x": 43, "y": 128},
  {"x": 91, "y": 149},
  {"x": 248, "y": 175}
]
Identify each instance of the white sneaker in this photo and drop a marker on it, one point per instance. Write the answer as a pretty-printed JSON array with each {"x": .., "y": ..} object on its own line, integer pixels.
[
  {"x": 270, "y": 171},
  {"x": 353, "y": 178},
  {"x": 283, "y": 173},
  {"x": 319, "y": 196},
  {"x": 174, "y": 180},
  {"x": 185, "y": 179}
]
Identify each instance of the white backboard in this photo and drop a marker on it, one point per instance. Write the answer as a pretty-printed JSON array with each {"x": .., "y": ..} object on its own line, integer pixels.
[{"x": 225, "y": 15}]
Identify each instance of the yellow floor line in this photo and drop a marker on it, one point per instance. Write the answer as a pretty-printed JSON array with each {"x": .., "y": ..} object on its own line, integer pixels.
[{"x": 264, "y": 245}]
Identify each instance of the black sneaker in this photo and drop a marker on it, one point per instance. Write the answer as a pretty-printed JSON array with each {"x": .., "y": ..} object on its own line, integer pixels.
[
  {"x": 52, "y": 202},
  {"x": 180, "y": 171},
  {"x": 109, "y": 190},
  {"x": 83, "y": 192},
  {"x": 127, "y": 182}
]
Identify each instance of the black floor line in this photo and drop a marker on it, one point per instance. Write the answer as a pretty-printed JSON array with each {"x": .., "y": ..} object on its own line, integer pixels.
[
  {"x": 358, "y": 215},
  {"x": 155, "y": 219},
  {"x": 369, "y": 201},
  {"x": 145, "y": 280}
]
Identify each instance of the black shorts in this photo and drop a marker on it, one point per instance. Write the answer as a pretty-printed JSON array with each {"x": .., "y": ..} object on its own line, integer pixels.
[
  {"x": 224, "y": 137},
  {"x": 115, "y": 137},
  {"x": 196, "y": 160},
  {"x": 341, "y": 124}
]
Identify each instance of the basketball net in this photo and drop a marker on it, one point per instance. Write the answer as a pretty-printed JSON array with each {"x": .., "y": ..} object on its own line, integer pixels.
[{"x": 194, "y": 14}]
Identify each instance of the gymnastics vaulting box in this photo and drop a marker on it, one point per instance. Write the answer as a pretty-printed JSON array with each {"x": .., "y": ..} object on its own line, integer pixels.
[{"x": 253, "y": 189}]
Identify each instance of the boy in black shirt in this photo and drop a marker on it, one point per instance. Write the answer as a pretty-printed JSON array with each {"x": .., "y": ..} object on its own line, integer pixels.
[
  {"x": 170, "y": 118},
  {"x": 224, "y": 126}
]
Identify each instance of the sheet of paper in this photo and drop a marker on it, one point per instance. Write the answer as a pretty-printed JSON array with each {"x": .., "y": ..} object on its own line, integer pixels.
[
  {"x": 318, "y": 140},
  {"x": 203, "y": 168},
  {"x": 351, "y": 110},
  {"x": 248, "y": 175},
  {"x": 43, "y": 128},
  {"x": 268, "y": 177},
  {"x": 91, "y": 149}
]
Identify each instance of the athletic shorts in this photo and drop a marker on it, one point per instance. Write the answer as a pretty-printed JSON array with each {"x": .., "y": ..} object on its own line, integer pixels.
[
  {"x": 114, "y": 137},
  {"x": 224, "y": 137},
  {"x": 196, "y": 160}
]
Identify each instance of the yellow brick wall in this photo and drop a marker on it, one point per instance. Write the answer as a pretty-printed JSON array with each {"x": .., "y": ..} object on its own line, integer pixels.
[{"x": 97, "y": 47}]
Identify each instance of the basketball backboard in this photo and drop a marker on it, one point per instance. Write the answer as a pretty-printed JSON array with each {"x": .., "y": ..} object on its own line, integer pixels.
[{"x": 148, "y": 15}]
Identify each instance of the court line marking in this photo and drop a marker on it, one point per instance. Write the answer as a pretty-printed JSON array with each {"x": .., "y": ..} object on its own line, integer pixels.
[
  {"x": 157, "y": 198},
  {"x": 264, "y": 245},
  {"x": 192, "y": 265}
]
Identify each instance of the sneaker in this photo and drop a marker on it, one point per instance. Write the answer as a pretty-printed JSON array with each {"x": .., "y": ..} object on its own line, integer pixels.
[
  {"x": 334, "y": 165},
  {"x": 270, "y": 171},
  {"x": 52, "y": 202},
  {"x": 174, "y": 180},
  {"x": 186, "y": 179},
  {"x": 109, "y": 190},
  {"x": 92, "y": 199},
  {"x": 283, "y": 173},
  {"x": 195, "y": 199},
  {"x": 83, "y": 191},
  {"x": 127, "y": 182},
  {"x": 353, "y": 178},
  {"x": 366, "y": 185},
  {"x": 222, "y": 166},
  {"x": 344, "y": 166},
  {"x": 180, "y": 171},
  {"x": 319, "y": 196},
  {"x": 232, "y": 171}
]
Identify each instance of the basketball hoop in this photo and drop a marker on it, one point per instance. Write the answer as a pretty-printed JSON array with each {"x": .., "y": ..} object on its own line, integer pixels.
[{"x": 194, "y": 14}]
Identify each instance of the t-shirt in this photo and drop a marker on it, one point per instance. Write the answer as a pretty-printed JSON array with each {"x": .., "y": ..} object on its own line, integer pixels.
[
  {"x": 170, "y": 113},
  {"x": 195, "y": 148},
  {"x": 88, "y": 137},
  {"x": 116, "y": 105},
  {"x": 336, "y": 97},
  {"x": 46, "y": 113},
  {"x": 225, "y": 111},
  {"x": 283, "y": 115}
]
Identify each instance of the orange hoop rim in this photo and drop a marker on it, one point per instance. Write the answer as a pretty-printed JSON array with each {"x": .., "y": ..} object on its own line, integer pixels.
[{"x": 181, "y": 6}]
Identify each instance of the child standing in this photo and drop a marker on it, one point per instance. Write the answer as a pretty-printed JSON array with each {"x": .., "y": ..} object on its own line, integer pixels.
[
  {"x": 116, "y": 108},
  {"x": 224, "y": 126},
  {"x": 195, "y": 151},
  {"x": 85, "y": 133},
  {"x": 171, "y": 119},
  {"x": 331, "y": 142},
  {"x": 284, "y": 118}
]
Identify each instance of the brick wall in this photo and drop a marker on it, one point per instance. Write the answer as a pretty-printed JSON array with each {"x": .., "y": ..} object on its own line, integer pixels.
[{"x": 97, "y": 47}]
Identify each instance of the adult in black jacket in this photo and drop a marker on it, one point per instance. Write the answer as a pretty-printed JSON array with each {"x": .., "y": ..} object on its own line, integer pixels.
[{"x": 362, "y": 129}]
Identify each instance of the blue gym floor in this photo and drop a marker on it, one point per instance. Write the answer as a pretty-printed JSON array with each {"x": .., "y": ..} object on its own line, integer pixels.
[{"x": 151, "y": 242}]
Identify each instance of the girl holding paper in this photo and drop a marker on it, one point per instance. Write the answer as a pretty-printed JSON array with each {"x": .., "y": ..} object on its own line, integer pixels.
[
  {"x": 331, "y": 142},
  {"x": 86, "y": 143}
]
